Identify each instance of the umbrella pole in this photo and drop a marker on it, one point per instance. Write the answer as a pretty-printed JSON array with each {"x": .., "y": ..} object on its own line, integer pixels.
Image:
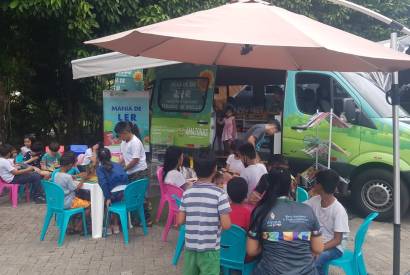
[{"x": 396, "y": 165}]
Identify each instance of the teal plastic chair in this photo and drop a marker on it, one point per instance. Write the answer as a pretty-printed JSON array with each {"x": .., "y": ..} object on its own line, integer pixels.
[
  {"x": 134, "y": 195},
  {"x": 73, "y": 171},
  {"x": 181, "y": 237},
  {"x": 55, "y": 206},
  {"x": 233, "y": 251},
  {"x": 352, "y": 262},
  {"x": 19, "y": 158},
  {"x": 301, "y": 194}
]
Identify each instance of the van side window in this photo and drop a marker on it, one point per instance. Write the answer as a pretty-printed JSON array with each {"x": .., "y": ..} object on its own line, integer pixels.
[
  {"x": 313, "y": 93},
  {"x": 320, "y": 92},
  {"x": 183, "y": 94}
]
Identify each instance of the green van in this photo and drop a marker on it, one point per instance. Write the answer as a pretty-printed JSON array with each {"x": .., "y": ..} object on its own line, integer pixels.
[{"x": 184, "y": 96}]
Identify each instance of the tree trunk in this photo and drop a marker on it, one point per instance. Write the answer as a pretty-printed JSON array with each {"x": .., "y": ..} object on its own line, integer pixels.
[{"x": 3, "y": 112}]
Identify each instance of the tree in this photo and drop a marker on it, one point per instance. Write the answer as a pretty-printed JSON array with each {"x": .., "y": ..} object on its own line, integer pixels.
[
  {"x": 39, "y": 38},
  {"x": 349, "y": 20}
]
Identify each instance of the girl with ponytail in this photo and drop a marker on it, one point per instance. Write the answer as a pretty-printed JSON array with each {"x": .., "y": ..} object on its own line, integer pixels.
[
  {"x": 112, "y": 179},
  {"x": 284, "y": 232}
]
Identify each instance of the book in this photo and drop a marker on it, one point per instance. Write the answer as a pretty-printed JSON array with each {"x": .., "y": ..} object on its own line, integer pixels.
[{"x": 317, "y": 118}]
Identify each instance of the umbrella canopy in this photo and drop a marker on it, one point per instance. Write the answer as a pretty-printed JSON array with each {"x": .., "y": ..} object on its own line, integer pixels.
[{"x": 255, "y": 34}]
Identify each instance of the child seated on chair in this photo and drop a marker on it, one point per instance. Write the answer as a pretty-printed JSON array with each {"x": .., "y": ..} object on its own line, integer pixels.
[
  {"x": 332, "y": 217},
  {"x": 33, "y": 158},
  {"x": 19, "y": 175},
  {"x": 65, "y": 180},
  {"x": 276, "y": 162},
  {"x": 51, "y": 159},
  {"x": 234, "y": 164},
  {"x": 253, "y": 169},
  {"x": 241, "y": 212},
  {"x": 205, "y": 209},
  {"x": 28, "y": 142},
  {"x": 13, "y": 155},
  {"x": 111, "y": 177}
]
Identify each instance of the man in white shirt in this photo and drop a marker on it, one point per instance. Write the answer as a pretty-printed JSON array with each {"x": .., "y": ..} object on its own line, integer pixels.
[
  {"x": 332, "y": 217},
  {"x": 132, "y": 151},
  {"x": 26, "y": 175},
  {"x": 133, "y": 157},
  {"x": 253, "y": 170}
]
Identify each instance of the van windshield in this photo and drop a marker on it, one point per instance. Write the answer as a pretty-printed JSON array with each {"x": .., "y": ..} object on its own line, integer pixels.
[{"x": 372, "y": 94}]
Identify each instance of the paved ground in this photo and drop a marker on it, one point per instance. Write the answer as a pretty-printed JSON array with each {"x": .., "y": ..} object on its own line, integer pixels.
[{"x": 21, "y": 252}]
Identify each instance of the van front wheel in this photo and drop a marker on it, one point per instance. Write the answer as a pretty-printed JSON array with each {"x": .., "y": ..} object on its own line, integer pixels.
[{"x": 372, "y": 191}]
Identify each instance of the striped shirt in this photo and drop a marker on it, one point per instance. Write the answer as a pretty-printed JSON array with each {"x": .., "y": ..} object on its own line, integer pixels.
[{"x": 203, "y": 204}]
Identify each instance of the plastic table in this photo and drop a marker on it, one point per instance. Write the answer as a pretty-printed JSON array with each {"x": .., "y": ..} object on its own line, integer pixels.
[{"x": 97, "y": 208}]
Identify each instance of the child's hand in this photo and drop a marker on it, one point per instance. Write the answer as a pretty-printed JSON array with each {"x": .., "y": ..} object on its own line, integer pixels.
[
  {"x": 108, "y": 203},
  {"x": 254, "y": 197},
  {"x": 87, "y": 176},
  {"x": 226, "y": 177}
]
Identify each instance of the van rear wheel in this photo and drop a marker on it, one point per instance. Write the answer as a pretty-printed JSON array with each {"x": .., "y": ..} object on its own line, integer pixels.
[{"x": 372, "y": 191}]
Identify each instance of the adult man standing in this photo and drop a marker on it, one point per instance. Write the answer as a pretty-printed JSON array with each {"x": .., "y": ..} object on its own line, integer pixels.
[{"x": 256, "y": 134}]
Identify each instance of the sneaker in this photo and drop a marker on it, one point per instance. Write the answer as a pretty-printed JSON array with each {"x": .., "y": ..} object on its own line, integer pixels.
[
  {"x": 40, "y": 200},
  {"x": 116, "y": 230},
  {"x": 108, "y": 232}
]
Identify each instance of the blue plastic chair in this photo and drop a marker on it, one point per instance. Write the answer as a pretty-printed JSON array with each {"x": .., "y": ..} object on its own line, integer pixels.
[
  {"x": 55, "y": 206},
  {"x": 78, "y": 149},
  {"x": 181, "y": 237},
  {"x": 134, "y": 196},
  {"x": 352, "y": 262},
  {"x": 233, "y": 251},
  {"x": 301, "y": 194}
]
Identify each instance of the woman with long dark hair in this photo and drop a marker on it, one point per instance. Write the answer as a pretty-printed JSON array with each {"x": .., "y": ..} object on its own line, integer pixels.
[
  {"x": 173, "y": 161},
  {"x": 283, "y": 232},
  {"x": 112, "y": 179}
]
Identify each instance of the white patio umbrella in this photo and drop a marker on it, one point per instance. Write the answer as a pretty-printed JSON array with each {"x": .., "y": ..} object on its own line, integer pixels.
[{"x": 255, "y": 34}]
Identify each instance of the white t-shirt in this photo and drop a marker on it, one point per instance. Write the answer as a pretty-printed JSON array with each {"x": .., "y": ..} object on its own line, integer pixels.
[
  {"x": 24, "y": 150},
  {"x": 331, "y": 219},
  {"x": 252, "y": 174},
  {"x": 87, "y": 156},
  {"x": 134, "y": 149},
  {"x": 5, "y": 170},
  {"x": 175, "y": 177},
  {"x": 235, "y": 165}
]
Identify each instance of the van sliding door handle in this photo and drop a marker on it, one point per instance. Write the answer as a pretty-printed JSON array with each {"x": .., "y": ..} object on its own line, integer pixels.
[{"x": 202, "y": 122}]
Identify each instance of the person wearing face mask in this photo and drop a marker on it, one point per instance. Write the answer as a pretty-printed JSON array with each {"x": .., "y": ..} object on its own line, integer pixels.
[{"x": 253, "y": 169}]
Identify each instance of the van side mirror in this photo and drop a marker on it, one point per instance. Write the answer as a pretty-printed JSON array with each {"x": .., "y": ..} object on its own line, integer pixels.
[{"x": 350, "y": 109}]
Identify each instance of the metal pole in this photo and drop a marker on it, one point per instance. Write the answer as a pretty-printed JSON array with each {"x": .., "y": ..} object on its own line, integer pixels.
[
  {"x": 396, "y": 164},
  {"x": 330, "y": 138},
  {"x": 380, "y": 17},
  {"x": 317, "y": 144}
]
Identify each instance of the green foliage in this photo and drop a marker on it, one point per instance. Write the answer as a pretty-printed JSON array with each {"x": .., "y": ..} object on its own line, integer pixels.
[
  {"x": 39, "y": 38},
  {"x": 349, "y": 20}
]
